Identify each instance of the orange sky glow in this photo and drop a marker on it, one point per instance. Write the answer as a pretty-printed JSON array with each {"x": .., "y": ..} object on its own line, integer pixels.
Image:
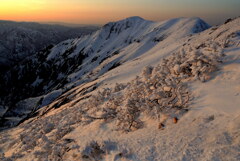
[{"x": 103, "y": 11}]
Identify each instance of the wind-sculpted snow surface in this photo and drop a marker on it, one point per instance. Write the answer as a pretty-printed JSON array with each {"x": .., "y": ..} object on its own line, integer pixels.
[{"x": 185, "y": 107}]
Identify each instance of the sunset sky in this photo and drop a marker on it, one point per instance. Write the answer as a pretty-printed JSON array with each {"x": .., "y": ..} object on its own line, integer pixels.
[{"x": 103, "y": 11}]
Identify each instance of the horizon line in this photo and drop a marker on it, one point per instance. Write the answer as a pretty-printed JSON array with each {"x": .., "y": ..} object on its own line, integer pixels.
[{"x": 74, "y": 24}]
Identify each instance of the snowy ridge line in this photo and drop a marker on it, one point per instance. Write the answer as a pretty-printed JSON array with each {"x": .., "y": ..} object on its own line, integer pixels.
[{"x": 57, "y": 69}]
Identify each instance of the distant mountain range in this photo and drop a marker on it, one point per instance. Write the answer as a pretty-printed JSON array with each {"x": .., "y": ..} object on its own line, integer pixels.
[
  {"x": 21, "y": 39},
  {"x": 70, "y": 24}
]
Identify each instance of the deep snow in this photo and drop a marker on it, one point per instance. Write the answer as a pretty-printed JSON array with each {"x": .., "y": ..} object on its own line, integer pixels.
[{"x": 210, "y": 130}]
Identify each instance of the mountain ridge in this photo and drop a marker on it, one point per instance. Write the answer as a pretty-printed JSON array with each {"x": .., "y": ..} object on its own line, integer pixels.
[
  {"x": 77, "y": 61},
  {"x": 167, "y": 86}
]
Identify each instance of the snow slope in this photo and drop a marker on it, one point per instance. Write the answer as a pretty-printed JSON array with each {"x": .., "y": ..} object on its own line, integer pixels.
[
  {"x": 77, "y": 61},
  {"x": 208, "y": 126}
]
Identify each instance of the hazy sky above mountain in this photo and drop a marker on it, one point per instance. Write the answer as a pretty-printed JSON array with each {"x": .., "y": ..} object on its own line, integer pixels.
[{"x": 103, "y": 11}]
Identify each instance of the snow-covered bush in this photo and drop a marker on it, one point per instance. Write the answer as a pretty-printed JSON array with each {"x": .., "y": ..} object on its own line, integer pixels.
[
  {"x": 61, "y": 132},
  {"x": 93, "y": 151},
  {"x": 55, "y": 150},
  {"x": 48, "y": 128},
  {"x": 104, "y": 149},
  {"x": 158, "y": 90}
]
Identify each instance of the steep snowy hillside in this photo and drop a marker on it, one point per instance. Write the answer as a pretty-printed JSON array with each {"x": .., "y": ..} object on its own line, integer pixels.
[
  {"x": 183, "y": 107},
  {"x": 59, "y": 68},
  {"x": 21, "y": 39},
  {"x": 176, "y": 99}
]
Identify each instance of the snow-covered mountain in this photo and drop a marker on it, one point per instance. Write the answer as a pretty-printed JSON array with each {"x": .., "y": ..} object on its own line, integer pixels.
[
  {"x": 133, "y": 90},
  {"x": 77, "y": 61},
  {"x": 21, "y": 39}
]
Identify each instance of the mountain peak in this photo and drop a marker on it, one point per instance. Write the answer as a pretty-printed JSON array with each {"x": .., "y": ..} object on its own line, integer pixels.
[
  {"x": 127, "y": 22},
  {"x": 133, "y": 18},
  {"x": 199, "y": 20},
  {"x": 200, "y": 25}
]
